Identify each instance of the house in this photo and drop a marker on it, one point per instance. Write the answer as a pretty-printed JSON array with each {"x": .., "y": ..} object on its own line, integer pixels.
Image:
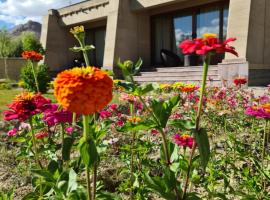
[{"x": 132, "y": 29}]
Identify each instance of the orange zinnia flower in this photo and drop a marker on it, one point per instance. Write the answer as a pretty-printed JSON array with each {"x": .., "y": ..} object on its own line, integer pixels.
[
  {"x": 32, "y": 55},
  {"x": 188, "y": 88},
  {"x": 83, "y": 90}
]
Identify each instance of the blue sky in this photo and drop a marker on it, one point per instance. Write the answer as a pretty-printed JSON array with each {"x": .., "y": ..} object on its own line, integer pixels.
[{"x": 14, "y": 12}]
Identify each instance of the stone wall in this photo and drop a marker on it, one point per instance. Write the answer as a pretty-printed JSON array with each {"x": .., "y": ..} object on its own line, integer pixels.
[{"x": 14, "y": 66}]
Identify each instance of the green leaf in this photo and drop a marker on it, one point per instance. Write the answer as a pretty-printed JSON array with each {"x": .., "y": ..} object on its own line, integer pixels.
[
  {"x": 145, "y": 88},
  {"x": 182, "y": 124},
  {"x": 31, "y": 196},
  {"x": 171, "y": 148},
  {"x": 53, "y": 166},
  {"x": 88, "y": 152},
  {"x": 192, "y": 196},
  {"x": 159, "y": 186},
  {"x": 68, "y": 142},
  {"x": 129, "y": 87},
  {"x": 143, "y": 125},
  {"x": 76, "y": 49},
  {"x": 137, "y": 66},
  {"x": 163, "y": 109},
  {"x": 101, "y": 195},
  {"x": 44, "y": 174},
  {"x": 72, "y": 181},
  {"x": 89, "y": 47},
  {"x": 18, "y": 139},
  {"x": 202, "y": 141}
]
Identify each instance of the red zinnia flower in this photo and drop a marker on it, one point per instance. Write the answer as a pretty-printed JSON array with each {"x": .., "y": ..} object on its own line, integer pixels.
[
  {"x": 26, "y": 105},
  {"x": 32, "y": 55},
  {"x": 240, "y": 81},
  {"x": 210, "y": 43}
]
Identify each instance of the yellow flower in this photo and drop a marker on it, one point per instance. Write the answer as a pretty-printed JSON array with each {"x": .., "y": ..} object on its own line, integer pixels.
[
  {"x": 134, "y": 119},
  {"x": 77, "y": 29},
  {"x": 116, "y": 81},
  {"x": 164, "y": 86},
  {"x": 209, "y": 35},
  {"x": 25, "y": 96},
  {"x": 177, "y": 85}
]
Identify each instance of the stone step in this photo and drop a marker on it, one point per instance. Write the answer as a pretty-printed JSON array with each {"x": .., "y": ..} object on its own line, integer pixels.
[
  {"x": 178, "y": 74},
  {"x": 212, "y": 83},
  {"x": 169, "y": 78},
  {"x": 181, "y": 69}
]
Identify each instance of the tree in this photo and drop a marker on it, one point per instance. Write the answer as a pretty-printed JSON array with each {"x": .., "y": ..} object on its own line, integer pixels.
[
  {"x": 30, "y": 42},
  {"x": 5, "y": 48}
]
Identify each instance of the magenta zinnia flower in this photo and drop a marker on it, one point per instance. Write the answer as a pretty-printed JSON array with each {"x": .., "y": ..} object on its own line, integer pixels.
[
  {"x": 183, "y": 140},
  {"x": 12, "y": 132},
  {"x": 262, "y": 111},
  {"x": 54, "y": 115},
  {"x": 105, "y": 114}
]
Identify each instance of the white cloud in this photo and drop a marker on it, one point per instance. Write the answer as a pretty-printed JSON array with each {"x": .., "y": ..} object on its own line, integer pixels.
[{"x": 17, "y": 12}]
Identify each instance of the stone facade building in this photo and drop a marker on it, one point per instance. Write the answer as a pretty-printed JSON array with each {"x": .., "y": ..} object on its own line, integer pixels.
[{"x": 132, "y": 29}]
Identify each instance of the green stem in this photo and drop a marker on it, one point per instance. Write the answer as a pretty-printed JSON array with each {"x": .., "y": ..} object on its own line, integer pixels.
[
  {"x": 94, "y": 180},
  {"x": 86, "y": 136},
  {"x": 163, "y": 135},
  {"x": 85, "y": 56},
  {"x": 263, "y": 151},
  {"x": 74, "y": 117},
  {"x": 131, "y": 108},
  {"x": 205, "y": 71},
  {"x": 36, "y": 153},
  {"x": 34, "y": 143},
  {"x": 35, "y": 76},
  {"x": 164, "y": 140},
  {"x": 62, "y": 138},
  {"x": 198, "y": 117}
]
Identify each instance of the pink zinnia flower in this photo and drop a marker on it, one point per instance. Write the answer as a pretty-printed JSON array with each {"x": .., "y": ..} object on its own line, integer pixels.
[
  {"x": 54, "y": 115},
  {"x": 262, "y": 111},
  {"x": 183, "y": 140},
  {"x": 105, "y": 114},
  {"x": 12, "y": 132},
  {"x": 70, "y": 130},
  {"x": 113, "y": 107}
]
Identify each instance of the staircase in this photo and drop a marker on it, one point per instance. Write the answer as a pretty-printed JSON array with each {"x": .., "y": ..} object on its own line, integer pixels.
[{"x": 192, "y": 74}]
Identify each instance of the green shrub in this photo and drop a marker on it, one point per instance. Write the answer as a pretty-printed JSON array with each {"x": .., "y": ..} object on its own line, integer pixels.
[
  {"x": 42, "y": 77},
  {"x": 5, "y": 86}
]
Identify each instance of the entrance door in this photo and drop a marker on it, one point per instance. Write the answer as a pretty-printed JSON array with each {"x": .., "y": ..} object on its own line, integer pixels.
[{"x": 96, "y": 37}]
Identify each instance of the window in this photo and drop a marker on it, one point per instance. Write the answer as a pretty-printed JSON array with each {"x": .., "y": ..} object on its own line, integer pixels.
[
  {"x": 170, "y": 29},
  {"x": 182, "y": 31}
]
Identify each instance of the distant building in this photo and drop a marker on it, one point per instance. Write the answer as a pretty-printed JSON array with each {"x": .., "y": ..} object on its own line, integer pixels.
[{"x": 129, "y": 29}]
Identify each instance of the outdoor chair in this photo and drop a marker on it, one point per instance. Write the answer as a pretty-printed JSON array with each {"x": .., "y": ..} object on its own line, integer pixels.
[{"x": 170, "y": 59}]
